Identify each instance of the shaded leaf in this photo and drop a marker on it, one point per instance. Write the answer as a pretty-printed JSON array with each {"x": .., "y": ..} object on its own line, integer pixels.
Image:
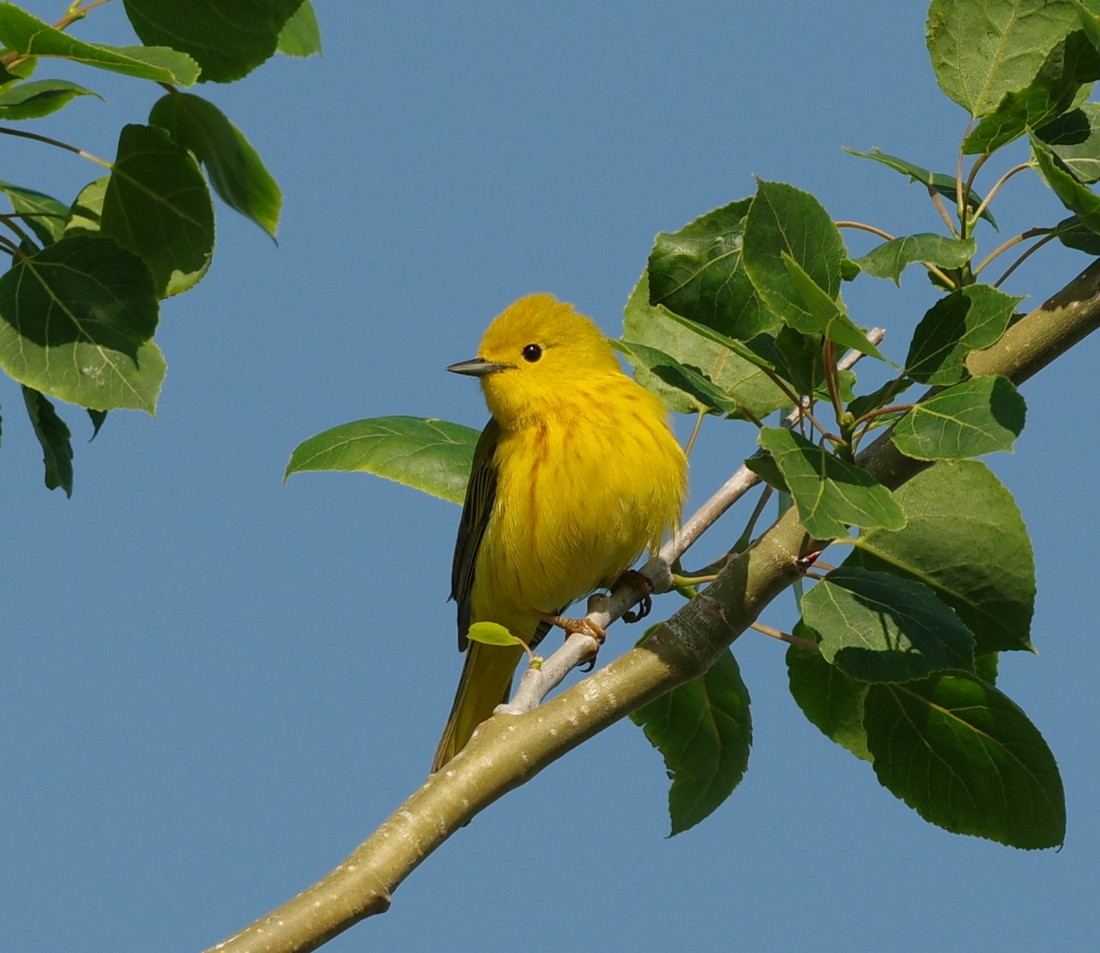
[
  {"x": 698, "y": 272},
  {"x": 76, "y": 322},
  {"x": 236, "y": 171},
  {"x": 227, "y": 38},
  {"x": 1075, "y": 139},
  {"x": 39, "y": 98},
  {"x": 831, "y": 494},
  {"x": 965, "y": 320},
  {"x": 783, "y": 219},
  {"x": 695, "y": 345},
  {"x": 703, "y": 730},
  {"x": 966, "y": 540},
  {"x": 974, "y": 417},
  {"x": 891, "y": 258},
  {"x": 830, "y": 700},
  {"x": 98, "y": 418},
  {"x": 1071, "y": 193},
  {"x": 53, "y": 436},
  {"x": 691, "y": 381},
  {"x": 1073, "y": 233},
  {"x": 42, "y": 214},
  {"x": 878, "y": 627},
  {"x": 965, "y": 758},
  {"x": 427, "y": 454},
  {"x": 939, "y": 182},
  {"x": 157, "y": 205},
  {"x": 87, "y": 210},
  {"x": 28, "y": 35},
  {"x": 302, "y": 35}
]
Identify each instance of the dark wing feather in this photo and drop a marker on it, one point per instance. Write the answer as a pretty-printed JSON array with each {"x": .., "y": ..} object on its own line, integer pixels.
[{"x": 477, "y": 509}]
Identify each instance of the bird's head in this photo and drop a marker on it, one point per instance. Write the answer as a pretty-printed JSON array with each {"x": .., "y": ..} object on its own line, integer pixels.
[{"x": 535, "y": 350}]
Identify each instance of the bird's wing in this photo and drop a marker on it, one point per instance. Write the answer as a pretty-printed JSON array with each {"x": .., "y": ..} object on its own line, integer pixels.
[{"x": 477, "y": 509}]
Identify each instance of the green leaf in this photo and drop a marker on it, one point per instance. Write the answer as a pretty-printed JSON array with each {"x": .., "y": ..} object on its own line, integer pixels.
[
  {"x": 965, "y": 758},
  {"x": 877, "y": 627},
  {"x": 29, "y": 36},
  {"x": 53, "y": 435},
  {"x": 157, "y": 205},
  {"x": 98, "y": 418},
  {"x": 87, "y": 210},
  {"x": 765, "y": 467},
  {"x": 691, "y": 381},
  {"x": 939, "y": 182},
  {"x": 966, "y": 320},
  {"x": 1075, "y": 139},
  {"x": 1088, "y": 11},
  {"x": 974, "y": 417},
  {"x": 1073, "y": 233},
  {"x": 1071, "y": 193},
  {"x": 42, "y": 214},
  {"x": 698, "y": 272},
  {"x": 784, "y": 219},
  {"x": 1073, "y": 63},
  {"x": 829, "y": 699},
  {"x": 697, "y": 346},
  {"x": 703, "y": 730},
  {"x": 983, "y": 51},
  {"x": 228, "y": 38},
  {"x": 302, "y": 35},
  {"x": 39, "y": 98},
  {"x": 891, "y": 258},
  {"x": 828, "y": 312},
  {"x": 492, "y": 633},
  {"x": 831, "y": 494},
  {"x": 236, "y": 171},
  {"x": 966, "y": 540},
  {"x": 76, "y": 321},
  {"x": 427, "y": 454}
]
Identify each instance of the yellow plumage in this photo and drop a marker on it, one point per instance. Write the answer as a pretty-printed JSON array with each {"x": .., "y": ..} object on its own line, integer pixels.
[{"x": 574, "y": 477}]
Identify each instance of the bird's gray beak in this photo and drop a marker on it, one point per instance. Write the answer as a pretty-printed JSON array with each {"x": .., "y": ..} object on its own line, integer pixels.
[{"x": 478, "y": 367}]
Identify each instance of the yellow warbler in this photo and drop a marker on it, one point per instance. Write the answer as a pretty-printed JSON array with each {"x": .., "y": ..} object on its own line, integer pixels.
[{"x": 574, "y": 476}]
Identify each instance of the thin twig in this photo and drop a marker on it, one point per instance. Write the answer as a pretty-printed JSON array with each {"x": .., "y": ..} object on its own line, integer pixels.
[{"x": 808, "y": 644}]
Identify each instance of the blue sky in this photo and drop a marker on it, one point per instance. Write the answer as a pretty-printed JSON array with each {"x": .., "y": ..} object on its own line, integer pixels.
[{"x": 213, "y": 686}]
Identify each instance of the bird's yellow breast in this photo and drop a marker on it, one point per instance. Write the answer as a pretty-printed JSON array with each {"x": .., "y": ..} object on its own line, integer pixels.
[{"x": 584, "y": 487}]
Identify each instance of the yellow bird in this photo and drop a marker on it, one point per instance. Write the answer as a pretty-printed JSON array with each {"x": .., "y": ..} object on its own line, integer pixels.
[{"x": 576, "y": 474}]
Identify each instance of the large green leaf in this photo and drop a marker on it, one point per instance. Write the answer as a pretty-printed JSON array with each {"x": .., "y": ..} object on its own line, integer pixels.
[
  {"x": 785, "y": 220},
  {"x": 38, "y": 98},
  {"x": 430, "y": 455},
  {"x": 830, "y": 699},
  {"x": 981, "y": 51},
  {"x": 53, "y": 436},
  {"x": 157, "y": 205},
  {"x": 966, "y": 540},
  {"x": 698, "y": 272},
  {"x": 707, "y": 395},
  {"x": 228, "y": 38},
  {"x": 974, "y": 417},
  {"x": 892, "y": 257},
  {"x": 965, "y": 758},
  {"x": 968, "y": 319},
  {"x": 235, "y": 168},
  {"x": 28, "y": 35},
  {"x": 703, "y": 730},
  {"x": 695, "y": 346},
  {"x": 76, "y": 322},
  {"x": 830, "y": 494},
  {"x": 1072, "y": 64},
  {"x": 877, "y": 627}
]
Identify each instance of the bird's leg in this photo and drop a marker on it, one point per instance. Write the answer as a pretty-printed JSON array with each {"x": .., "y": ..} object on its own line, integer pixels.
[
  {"x": 642, "y": 583},
  {"x": 575, "y": 626}
]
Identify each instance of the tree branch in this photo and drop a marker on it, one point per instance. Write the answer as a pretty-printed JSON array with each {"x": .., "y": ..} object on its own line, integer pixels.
[{"x": 508, "y": 750}]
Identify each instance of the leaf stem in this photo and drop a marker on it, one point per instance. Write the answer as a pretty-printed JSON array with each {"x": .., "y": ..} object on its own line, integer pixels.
[
  {"x": 1024, "y": 257},
  {"x": 996, "y": 187},
  {"x": 1022, "y": 237},
  {"x": 23, "y": 134},
  {"x": 808, "y": 644},
  {"x": 862, "y": 226},
  {"x": 942, "y": 209}
]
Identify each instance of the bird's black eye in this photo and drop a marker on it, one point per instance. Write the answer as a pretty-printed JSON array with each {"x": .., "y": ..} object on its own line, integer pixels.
[{"x": 532, "y": 353}]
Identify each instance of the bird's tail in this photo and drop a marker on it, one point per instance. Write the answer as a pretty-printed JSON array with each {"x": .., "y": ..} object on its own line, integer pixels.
[{"x": 485, "y": 683}]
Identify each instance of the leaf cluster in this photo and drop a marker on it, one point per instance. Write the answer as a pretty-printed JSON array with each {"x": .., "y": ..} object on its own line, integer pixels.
[
  {"x": 80, "y": 303},
  {"x": 740, "y": 315}
]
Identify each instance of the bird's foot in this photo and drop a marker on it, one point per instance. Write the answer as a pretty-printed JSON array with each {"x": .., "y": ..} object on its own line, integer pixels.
[
  {"x": 643, "y": 583},
  {"x": 575, "y": 626}
]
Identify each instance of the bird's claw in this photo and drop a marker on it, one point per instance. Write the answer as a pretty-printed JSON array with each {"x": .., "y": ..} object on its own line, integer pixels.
[{"x": 639, "y": 581}]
